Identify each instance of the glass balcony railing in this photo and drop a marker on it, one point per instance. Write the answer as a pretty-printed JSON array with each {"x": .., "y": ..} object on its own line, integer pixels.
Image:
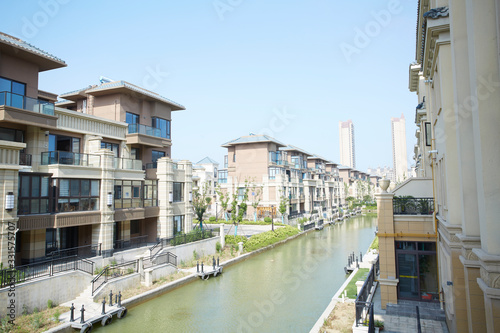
[
  {"x": 145, "y": 130},
  {"x": 127, "y": 164},
  {"x": 68, "y": 158},
  {"x": 26, "y": 103}
]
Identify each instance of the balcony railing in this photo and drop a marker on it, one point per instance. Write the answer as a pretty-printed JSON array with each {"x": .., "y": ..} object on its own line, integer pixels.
[
  {"x": 26, "y": 103},
  {"x": 153, "y": 165},
  {"x": 25, "y": 159},
  {"x": 413, "y": 206},
  {"x": 127, "y": 163},
  {"x": 68, "y": 158},
  {"x": 145, "y": 130}
]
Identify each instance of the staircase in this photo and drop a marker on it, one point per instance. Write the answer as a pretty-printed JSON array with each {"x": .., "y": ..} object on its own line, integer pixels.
[{"x": 427, "y": 310}]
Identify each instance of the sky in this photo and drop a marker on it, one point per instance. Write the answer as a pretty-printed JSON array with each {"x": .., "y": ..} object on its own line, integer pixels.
[{"x": 290, "y": 69}]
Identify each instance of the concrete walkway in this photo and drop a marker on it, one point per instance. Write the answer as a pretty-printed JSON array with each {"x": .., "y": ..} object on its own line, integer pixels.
[{"x": 404, "y": 324}]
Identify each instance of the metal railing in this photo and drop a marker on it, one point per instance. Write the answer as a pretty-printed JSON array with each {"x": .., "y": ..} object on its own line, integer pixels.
[
  {"x": 308, "y": 226},
  {"x": 86, "y": 251},
  {"x": 26, "y": 103},
  {"x": 294, "y": 215},
  {"x": 182, "y": 239},
  {"x": 113, "y": 272},
  {"x": 133, "y": 242},
  {"x": 161, "y": 259},
  {"x": 69, "y": 158},
  {"x": 144, "y": 129},
  {"x": 127, "y": 163},
  {"x": 29, "y": 272},
  {"x": 363, "y": 307},
  {"x": 412, "y": 206},
  {"x": 24, "y": 159}
]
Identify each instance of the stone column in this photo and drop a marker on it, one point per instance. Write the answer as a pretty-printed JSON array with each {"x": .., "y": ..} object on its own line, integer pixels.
[
  {"x": 165, "y": 174},
  {"x": 103, "y": 232},
  {"x": 385, "y": 220},
  {"x": 188, "y": 188}
]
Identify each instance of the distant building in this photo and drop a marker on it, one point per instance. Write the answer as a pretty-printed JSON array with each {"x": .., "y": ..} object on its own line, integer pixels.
[
  {"x": 206, "y": 172},
  {"x": 346, "y": 140},
  {"x": 398, "y": 126}
]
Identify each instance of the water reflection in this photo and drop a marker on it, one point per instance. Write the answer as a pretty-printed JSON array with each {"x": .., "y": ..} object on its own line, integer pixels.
[{"x": 285, "y": 289}]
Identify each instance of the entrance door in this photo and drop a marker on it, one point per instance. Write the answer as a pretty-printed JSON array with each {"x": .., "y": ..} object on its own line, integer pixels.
[{"x": 408, "y": 276}]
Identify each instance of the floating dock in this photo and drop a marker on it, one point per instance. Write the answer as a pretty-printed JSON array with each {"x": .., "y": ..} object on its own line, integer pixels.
[
  {"x": 105, "y": 318},
  {"x": 205, "y": 272}
]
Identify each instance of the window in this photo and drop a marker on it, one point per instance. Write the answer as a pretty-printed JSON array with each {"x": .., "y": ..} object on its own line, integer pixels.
[
  {"x": 178, "y": 224},
  {"x": 178, "y": 192},
  {"x": 9, "y": 134},
  {"x": 77, "y": 195},
  {"x": 225, "y": 161},
  {"x": 428, "y": 134},
  {"x": 150, "y": 193},
  {"x": 33, "y": 194},
  {"x": 18, "y": 90},
  {"x": 156, "y": 155},
  {"x": 163, "y": 125},
  {"x": 241, "y": 193},
  {"x": 114, "y": 147},
  {"x": 222, "y": 176},
  {"x": 234, "y": 157},
  {"x": 135, "y": 227},
  {"x": 131, "y": 118},
  {"x": 135, "y": 153},
  {"x": 128, "y": 194},
  {"x": 273, "y": 172}
]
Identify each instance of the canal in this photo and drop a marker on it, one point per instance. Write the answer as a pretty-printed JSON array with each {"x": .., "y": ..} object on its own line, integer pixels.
[{"x": 285, "y": 289}]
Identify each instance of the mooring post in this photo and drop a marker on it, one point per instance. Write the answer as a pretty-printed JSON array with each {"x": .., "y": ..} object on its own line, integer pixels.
[
  {"x": 103, "y": 306},
  {"x": 357, "y": 264},
  {"x": 72, "y": 314},
  {"x": 111, "y": 298},
  {"x": 116, "y": 299},
  {"x": 361, "y": 256},
  {"x": 213, "y": 262},
  {"x": 202, "y": 266},
  {"x": 82, "y": 317},
  {"x": 217, "y": 261},
  {"x": 119, "y": 299},
  {"x": 197, "y": 267}
]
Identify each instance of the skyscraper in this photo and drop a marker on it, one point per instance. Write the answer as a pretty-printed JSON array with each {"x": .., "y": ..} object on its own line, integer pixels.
[
  {"x": 399, "y": 157},
  {"x": 346, "y": 140}
]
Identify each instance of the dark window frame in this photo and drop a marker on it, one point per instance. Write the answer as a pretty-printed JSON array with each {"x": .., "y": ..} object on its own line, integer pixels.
[
  {"x": 178, "y": 192},
  {"x": 78, "y": 202},
  {"x": 30, "y": 198}
]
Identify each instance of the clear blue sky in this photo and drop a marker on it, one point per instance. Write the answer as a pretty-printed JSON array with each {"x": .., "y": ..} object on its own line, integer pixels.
[{"x": 292, "y": 69}]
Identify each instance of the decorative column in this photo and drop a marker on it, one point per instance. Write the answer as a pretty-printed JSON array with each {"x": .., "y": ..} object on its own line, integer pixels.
[
  {"x": 387, "y": 258},
  {"x": 165, "y": 174},
  {"x": 103, "y": 232},
  {"x": 188, "y": 197}
]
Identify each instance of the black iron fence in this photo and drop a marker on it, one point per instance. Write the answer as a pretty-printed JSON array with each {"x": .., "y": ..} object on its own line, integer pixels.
[
  {"x": 406, "y": 205},
  {"x": 306, "y": 227},
  {"x": 182, "y": 239},
  {"x": 363, "y": 307},
  {"x": 86, "y": 251},
  {"x": 133, "y": 242},
  {"x": 161, "y": 259},
  {"x": 112, "y": 272},
  {"x": 29, "y": 272}
]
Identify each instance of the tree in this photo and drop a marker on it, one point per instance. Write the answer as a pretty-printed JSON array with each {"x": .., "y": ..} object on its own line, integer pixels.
[
  {"x": 350, "y": 201},
  {"x": 239, "y": 209},
  {"x": 283, "y": 206},
  {"x": 201, "y": 201},
  {"x": 224, "y": 200},
  {"x": 256, "y": 197}
]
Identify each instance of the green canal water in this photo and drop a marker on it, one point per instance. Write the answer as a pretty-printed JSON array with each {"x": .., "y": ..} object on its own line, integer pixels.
[{"x": 285, "y": 289}]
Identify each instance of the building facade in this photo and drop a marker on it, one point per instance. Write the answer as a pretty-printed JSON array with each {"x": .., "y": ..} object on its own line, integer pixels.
[
  {"x": 275, "y": 172},
  {"x": 205, "y": 173},
  {"x": 455, "y": 77},
  {"x": 399, "y": 156},
  {"x": 347, "y": 146},
  {"x": 91, "y": 173}
]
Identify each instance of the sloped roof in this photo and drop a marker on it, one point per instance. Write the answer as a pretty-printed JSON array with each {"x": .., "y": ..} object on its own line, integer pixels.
[
  {"x": 21, "y": 49},
  {"x": 293, "y": 148},
  {"x": 253, "y": 138},
  {"x": 208, "y": 160}
]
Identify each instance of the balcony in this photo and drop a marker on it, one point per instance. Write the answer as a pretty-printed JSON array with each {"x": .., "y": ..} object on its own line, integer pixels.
[
  {"x": 146, "y": 135},
  {"x": 405, "y": 205},
  {"x": 24, "y": 159},
  {"x": 68, "y": 158},
  {"x": 26, "y": 110},
  {"x": 127, "y": 164}
]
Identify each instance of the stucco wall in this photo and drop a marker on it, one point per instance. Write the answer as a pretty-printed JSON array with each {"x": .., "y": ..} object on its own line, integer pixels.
[
  {"x": 185, "y": 252},
  {"x": 59, "y": 289}
]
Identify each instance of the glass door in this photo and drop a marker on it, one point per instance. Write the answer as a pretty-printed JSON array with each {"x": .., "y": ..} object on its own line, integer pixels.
[{"x": 408, "y": 286}]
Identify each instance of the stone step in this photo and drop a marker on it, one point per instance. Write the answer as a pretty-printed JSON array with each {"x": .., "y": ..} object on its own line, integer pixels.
[{"x": 427, "y": 310}]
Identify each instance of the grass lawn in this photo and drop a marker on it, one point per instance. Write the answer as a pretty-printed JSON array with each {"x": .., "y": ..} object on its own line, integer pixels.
[{"x": 351, "y": 289}]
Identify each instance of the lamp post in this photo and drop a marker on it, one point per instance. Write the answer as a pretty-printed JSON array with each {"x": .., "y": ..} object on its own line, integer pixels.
[{"x": 272, "y": 217}]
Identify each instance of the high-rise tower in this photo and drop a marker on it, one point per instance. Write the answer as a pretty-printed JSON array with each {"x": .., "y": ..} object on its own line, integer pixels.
[
  {"x": 346, "y": 139},
  {"x": 398, "y": 126}
]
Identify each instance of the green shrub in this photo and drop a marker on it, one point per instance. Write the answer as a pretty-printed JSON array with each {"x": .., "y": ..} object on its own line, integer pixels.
[
  {"x": 50, "y": 304},
  {"x": 212, "y": 219},
  {"x": 267, "y": 219},
  {"x": 56, "y": 315},
  {"x": 230, "y": 239},
  {"x": 270, "y": 237},
  {"x": 218, "y": 247}
]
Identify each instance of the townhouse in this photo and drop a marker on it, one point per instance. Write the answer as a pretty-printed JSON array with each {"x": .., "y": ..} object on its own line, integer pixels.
[{"x": 89, "y": 175}]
